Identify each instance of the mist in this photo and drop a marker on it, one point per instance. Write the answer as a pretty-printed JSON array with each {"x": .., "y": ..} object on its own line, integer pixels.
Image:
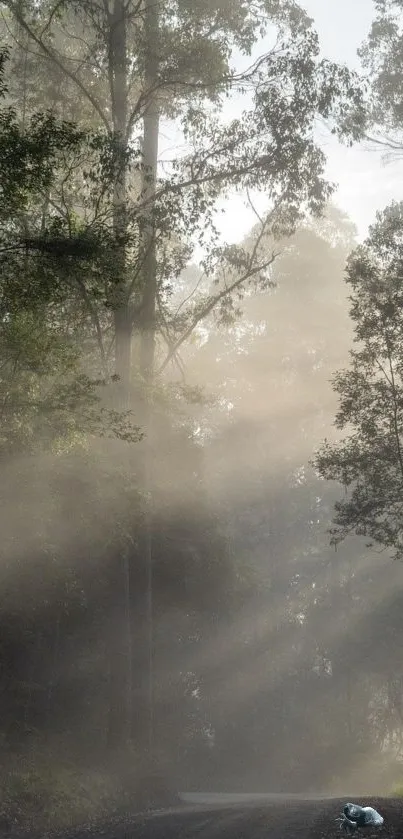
[{"x": 177, "y": 298}]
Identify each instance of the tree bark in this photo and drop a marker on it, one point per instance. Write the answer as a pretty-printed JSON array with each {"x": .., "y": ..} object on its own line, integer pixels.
[
  {"x": 144, "y": 679},
  {"x": 120, "y": 637},
  {"x": 118, "y": 84},
  {"x": 132, "y": 674},
  {"x": 119, "y": 647}
]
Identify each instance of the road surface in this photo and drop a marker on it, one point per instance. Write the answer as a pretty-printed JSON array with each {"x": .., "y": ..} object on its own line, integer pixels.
[{"x": 209, "y": 816}]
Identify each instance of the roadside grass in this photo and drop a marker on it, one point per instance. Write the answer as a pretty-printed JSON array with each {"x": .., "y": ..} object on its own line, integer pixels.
[
  {"x": 43, "y": 795},
  {"x": 42, "y": 792}
]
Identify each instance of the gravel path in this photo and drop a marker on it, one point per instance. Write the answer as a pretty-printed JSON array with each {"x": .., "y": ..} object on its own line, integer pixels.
[{"x": 282, "y": 818}]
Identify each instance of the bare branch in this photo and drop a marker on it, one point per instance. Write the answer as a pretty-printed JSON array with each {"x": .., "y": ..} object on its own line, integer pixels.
[
  {"x": 212, "y": 177},
  {"x": 51, "y": 16},
  {"x": 228, "y": 290},
  {"x": 92, "y": 311},
  {"x": 192, "y": 293},
  {"x": 212, "y": 304},
  {"x": 386, "y": 142},
  {"x": 168, "y": 339},
  {"x": 253, "y": 206}
]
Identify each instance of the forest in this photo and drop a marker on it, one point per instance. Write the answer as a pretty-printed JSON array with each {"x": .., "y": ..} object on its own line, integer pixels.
[{"x": 200, "y": 440}]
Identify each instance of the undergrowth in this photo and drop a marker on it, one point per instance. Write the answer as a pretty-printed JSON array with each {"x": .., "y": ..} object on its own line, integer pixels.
[
  {"x": 43, "y": 796},
  {"x": 40, "y": 795}
]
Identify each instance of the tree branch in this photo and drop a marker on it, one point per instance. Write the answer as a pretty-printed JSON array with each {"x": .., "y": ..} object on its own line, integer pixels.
[
  {"x": 212, "y": 177},
  {"x": 51, "y": 16},
  {"x": 91, "y": 309},
  {"x": 212, "y": 304},
  {"x": 394, "y": 406},
  {"x": 168, "y": 339},
  {"x": 189, "y": 297},
  {"x": 52, "y": 55}
]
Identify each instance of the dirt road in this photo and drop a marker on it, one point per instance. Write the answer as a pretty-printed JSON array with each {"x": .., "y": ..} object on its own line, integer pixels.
[{"x": 266, "y": 818}]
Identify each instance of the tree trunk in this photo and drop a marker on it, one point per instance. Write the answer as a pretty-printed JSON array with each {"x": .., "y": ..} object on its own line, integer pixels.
[
  {"x": 121, "y": 581},
  {"x": 144, "y": 678},
  {"x": 119, "y": 643},
  {"x": 120, "y": 640},
  {"x": 134, "y": 718},
  {"x": 118, "y": 77}
]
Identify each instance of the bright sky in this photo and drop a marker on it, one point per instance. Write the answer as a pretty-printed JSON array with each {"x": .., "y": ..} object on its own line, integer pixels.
[{"x": 366, "y": 184}]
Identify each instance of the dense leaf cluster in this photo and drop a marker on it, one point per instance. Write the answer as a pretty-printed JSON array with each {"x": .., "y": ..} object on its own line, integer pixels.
[{"x": 368, "y": 459}]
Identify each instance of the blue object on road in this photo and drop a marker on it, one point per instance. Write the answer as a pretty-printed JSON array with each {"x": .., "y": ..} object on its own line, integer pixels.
[{"x": 354, "y": 816}]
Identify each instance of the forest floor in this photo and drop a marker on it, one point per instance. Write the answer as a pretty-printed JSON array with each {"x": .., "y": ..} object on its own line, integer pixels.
[{"x": 282, "y": 819}]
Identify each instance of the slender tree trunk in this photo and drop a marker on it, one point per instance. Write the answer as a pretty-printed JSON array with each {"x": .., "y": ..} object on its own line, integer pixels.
[
  {"x": 349, "y": 675},
  {"x": 118, "y": 76},
  {"x": 148, "y": 323},
  {"x": 144, "y": 679},
  {"x": 119, "y": 643},
  {"x": 54, "y": 673},
  {"x": 122, "y": 574},
  {"x": 134, "y": 717},
  {"x": 120, "y": 640}
]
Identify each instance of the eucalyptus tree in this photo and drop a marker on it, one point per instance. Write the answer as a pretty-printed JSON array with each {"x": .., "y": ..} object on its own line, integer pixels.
[
  {"x": 367, "y": 458},
  {"x": 132, "y": 66},
  {"x": 381, "y": 56}
]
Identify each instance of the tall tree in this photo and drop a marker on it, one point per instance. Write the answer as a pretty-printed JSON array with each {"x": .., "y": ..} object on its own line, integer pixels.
[
  {"x": 367, "y": 459},
  {"x": 382, "y": 59},
  {"x": 150, "y": 69},
  {"x": 132, "y": 64}
]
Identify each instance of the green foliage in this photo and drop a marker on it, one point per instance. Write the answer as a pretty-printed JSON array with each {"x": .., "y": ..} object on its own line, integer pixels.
[
  {"x": 44, "y": 793},
  {"x": 74, "y": 250},
  {"x": 47, "y": 400},
  {"x": 28, "y": 157},
  {"x": 368, "y": 459},
  {"x": 269, "y": 148},
  {"x": 382, "y": 57}
]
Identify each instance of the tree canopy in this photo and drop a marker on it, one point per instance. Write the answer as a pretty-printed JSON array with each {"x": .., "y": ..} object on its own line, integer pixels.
[
  {"x": 382, "y": 59},
  {"x": 367, "y": 460},
  {"x": 161, "y": 527}
]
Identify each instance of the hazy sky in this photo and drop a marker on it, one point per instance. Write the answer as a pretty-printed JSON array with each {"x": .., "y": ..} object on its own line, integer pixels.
[{"x": 366, "y": 184}]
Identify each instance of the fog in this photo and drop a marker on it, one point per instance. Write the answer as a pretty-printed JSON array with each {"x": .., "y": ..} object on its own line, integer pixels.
[{"x": 174, "y": 617}]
